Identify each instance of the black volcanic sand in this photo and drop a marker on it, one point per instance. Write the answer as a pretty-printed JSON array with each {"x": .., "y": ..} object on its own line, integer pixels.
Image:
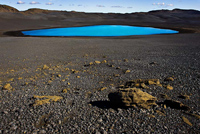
[
  {"x": 80, "y": 72},
  {"x": 84, "y": 108}
]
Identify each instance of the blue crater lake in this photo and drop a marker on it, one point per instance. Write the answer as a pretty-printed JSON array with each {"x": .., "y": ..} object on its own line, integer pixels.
[{"x": 99, "y": 31}]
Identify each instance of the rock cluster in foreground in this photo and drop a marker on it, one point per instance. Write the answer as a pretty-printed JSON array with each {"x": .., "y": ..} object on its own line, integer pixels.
[{"x": 132, "y": 97}]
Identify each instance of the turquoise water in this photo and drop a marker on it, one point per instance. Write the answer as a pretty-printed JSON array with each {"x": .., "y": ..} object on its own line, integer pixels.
[{"x": 99, "y": 31}]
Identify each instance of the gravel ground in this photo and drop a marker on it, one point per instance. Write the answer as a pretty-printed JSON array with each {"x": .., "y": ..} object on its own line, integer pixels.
[{"x": 47, "y": 66}]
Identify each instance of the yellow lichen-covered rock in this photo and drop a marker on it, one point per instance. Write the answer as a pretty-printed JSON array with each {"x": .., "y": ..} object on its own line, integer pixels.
[
  {"x": 137, "y": 85},
  {"x": 19, "y": 78},
  {"x": 74, "y": 71},
  {"x": 151, "y": 82},
  {"x": 169, "y": 79},
  {"x": 45, "y": 67},
  {"x": 161, "y": 113},
  {"x": 164, "y": 96},
  {"x": 169, "y": 87},
  {"x": 46, "y": 100},
  {"x": 103, "y": 88},
  {"x": 64, "y": 90},
  {"x": 127, "y": 71},
  {"x": 97, "y": 62},
  {"x": 187, "y": 97},
  {"x": 104, "y": 61},
  {"x": 91, "y": 63},
  {"x": 67, "y": 69},
  {"x": 151, "y": 116},
  {"x": 186, "y": 121},
  {"x": 11, "y": 79},
  {"x": 116, "y": 75},
  {"x": 131, "y": 97},
  {"x": 144, "y": 86},
  {"x": 125, "y": 60},
  {"x": 143, "y": 83},
  {"x": 50, "y": 81},
  {"x": 195, "y": 115},
  {"x": 86, "y": 55},
  {"x": 7, "y": 86}
]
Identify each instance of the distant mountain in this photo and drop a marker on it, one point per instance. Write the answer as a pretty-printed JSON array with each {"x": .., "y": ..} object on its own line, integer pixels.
[
  {"x": 5, "y": 8},
  {"x": 37, "y": 10},
  {"x": 191, "y": 11}
]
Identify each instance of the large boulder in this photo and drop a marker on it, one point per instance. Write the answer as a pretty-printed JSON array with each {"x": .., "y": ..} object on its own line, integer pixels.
[{"x": 131, "y": 97}]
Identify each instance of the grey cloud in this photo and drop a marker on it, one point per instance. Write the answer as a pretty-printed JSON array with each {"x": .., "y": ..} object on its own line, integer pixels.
[
  {"x": 49, "y": 3},
  {"x": 34, "y": 2},
  {"x": 100, "y": 6},
  {"x": 20, "y": 2},
  {"x": 117, "y": 6}
]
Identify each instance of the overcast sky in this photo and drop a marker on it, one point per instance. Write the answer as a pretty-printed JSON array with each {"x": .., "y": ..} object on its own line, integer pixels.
[{"x": 118, "y": 6}]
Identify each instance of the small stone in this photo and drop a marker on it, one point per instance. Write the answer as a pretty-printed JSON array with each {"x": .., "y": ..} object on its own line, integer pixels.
[
  {"x": 100, "y": 120},
  {"x": 13, "y": 127},
  {"x": 42, "y": 132},
  {"x": 111, "y": 65},
  {"x": 5, "y": 112},
  {"x": 104, "y": 132},
  {"x": 86, "y": 55},
  {"x": 7, "y": 86},
  {"x": 97, "y": 132},
  {"x": 125, "y": 60},
  {"x": 116, "y": 75},
  {"x": 117, "y": 67},
  {"x": 153, "y": 63}
]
